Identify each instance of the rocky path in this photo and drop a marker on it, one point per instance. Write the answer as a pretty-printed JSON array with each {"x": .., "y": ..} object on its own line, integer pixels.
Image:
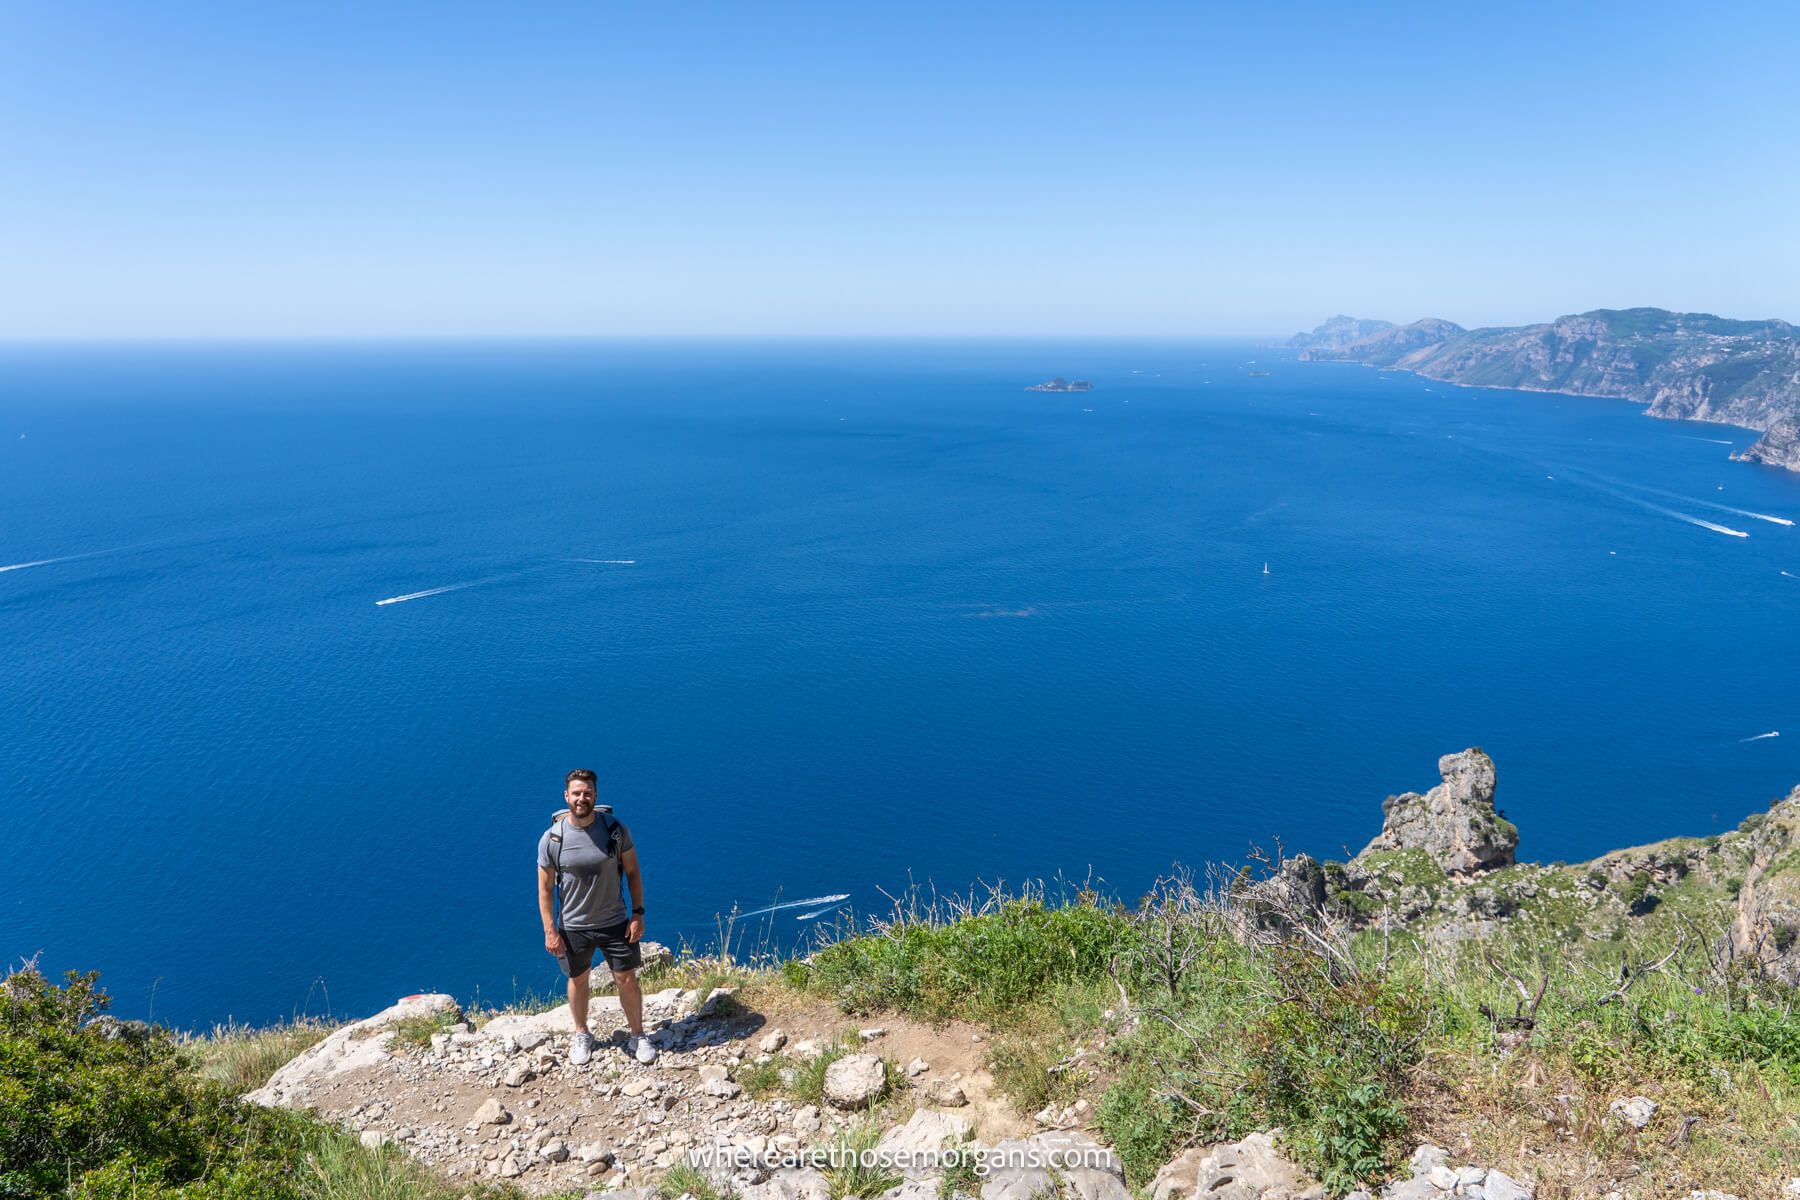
[{"x": 504, "y": 1101}]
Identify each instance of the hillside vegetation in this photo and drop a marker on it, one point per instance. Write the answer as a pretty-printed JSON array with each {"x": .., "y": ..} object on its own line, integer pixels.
[{"x": 1621, "y": 1027}]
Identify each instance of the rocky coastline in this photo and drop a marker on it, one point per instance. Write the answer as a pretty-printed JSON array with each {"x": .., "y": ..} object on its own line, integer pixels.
[{"x": 1679, "y": 366}]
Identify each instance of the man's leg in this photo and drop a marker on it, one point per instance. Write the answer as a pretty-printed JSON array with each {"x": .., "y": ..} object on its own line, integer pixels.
[
  {"x": 631, "y": 999},
  {"x": 578, "y": 1000}
]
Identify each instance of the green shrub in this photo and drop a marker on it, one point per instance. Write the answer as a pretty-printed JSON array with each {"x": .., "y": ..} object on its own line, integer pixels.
[
  {"x": 981, "y": 967},
  {"x": 92, "y": 1107},
  {"x": 1331, "y": 1064},
  {"x": 1142, "y": 1126}
]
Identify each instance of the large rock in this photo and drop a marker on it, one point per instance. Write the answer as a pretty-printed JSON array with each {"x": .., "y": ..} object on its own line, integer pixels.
[
  {"x": 794, "y": 1183},
  {"x": 1230, "y": 1171},
  {"x": 854, "y": 1081},
  {"x": 1017, "y": 1171},
  {"x": 1029, "y": 1169},
  {"x": 1455, "y": 822},
  {"x": 1089, "y": 1170},
  {"x": 926, "y": 1132},
  {"x": 654, "y": 955},
  {"x": 360, "y": 1044}
]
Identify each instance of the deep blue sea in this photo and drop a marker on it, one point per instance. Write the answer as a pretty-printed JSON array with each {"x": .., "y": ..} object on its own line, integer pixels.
[{"x": 827, "y": 618}]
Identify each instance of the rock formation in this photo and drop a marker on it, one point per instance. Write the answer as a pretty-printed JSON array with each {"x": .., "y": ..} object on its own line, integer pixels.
[{"x": 1455, "y": 822}]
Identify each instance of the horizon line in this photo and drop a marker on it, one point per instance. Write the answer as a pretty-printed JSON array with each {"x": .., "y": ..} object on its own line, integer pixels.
[{"x": 291, "y": 338}]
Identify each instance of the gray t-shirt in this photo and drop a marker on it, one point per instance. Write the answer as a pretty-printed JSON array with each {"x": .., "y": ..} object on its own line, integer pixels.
[{"x": 591, "y": 894}]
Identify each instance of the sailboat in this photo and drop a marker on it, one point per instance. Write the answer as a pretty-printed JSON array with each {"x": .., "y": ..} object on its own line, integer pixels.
[{"x": 1265, "y": 568}]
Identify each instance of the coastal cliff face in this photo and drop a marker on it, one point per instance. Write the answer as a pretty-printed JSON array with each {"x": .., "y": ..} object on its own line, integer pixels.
[{"x": 1683, "y": 366}]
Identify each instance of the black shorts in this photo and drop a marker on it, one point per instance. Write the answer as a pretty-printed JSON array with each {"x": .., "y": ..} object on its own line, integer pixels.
[{"x": 621, "y": 953}]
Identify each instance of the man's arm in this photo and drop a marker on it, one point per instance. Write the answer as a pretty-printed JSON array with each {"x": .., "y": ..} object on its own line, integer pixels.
[
  {"x": 634, "y": 880},
  {"x": 546, "y": 909}
]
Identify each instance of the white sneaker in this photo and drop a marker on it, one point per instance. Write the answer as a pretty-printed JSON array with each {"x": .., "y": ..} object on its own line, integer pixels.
[
  {"x": 640, "y": 1048},
  {"x": 581, "y": 1047}
]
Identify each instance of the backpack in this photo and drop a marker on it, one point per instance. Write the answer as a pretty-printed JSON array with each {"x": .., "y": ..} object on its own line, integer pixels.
[{"x": 608, "y": 824}]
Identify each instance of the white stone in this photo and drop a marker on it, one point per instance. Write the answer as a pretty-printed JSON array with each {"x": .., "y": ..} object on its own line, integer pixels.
[
  {"x": 1427, "y": 1157},
  {"x": 799, "y": 1183},
  {"x": 945, "y": 1093},
  {"x": 854, "y": 1081},
  {"x": 490, "y": 1113},
  {"x": 1230, "y": 1171},
  {"x": 1636, "y": 1112},
  {"x": 1500, "y": 1186},
  {"x": 772, "y": 1041},
  {"x": 916, "y": 1068}
]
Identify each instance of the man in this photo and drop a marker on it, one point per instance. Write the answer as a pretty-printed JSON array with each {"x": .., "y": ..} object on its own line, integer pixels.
[{"x": 583, "y": 856}]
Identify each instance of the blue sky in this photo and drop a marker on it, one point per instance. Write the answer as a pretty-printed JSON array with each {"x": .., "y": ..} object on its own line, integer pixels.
[{"x": 177, "y": 169}]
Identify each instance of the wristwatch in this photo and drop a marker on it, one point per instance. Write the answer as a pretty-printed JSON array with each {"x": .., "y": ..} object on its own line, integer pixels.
[{"x": 637, "y": 912}]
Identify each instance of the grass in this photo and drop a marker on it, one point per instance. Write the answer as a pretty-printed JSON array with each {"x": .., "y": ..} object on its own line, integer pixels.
[
  {"x": 1360, "y": 1050},
  {"x": 243, "y": 1059},
  {"x": 417, "y": 1032},
  {"x": 854, "y": 1169},
  {"x": 684, "y": 1179},
  {"x": 339, "y": 1168},
  {"x": 979, "y": 963},
  {"x": 1027, "y": 1070},
  {"x": 760, "y": 1080}
]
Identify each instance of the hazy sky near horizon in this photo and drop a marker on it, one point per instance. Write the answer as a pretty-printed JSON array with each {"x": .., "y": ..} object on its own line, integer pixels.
[{"x": 184, "y": 169}]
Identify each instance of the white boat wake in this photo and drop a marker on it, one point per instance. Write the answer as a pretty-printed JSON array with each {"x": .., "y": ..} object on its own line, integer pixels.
[
  {"x": 610, "y": 562},
  {"x": 1715, "y": 441},
  {"x": 809, "y": 902},
  {"x": 44, "y": 562},
  {"x": 813, "y": 916},
  {"x": 1791, "y": 575},
  {"x": 1759, "y": 737},
  {"x": 438, "y": 591},
  {"x": 1742, "y": 512},
  {"x": 1688, "y": 518}
]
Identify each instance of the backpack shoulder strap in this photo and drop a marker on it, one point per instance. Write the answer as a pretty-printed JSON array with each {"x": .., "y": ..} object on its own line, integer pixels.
[{"x": 609, "y": 823}]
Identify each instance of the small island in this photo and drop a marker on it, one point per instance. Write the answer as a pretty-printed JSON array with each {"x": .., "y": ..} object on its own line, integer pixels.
[{"x": 1059, "y": 384}]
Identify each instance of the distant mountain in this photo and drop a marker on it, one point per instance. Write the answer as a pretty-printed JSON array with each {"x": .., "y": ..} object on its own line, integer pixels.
[
  {"x": 1685, "y": 366},
  {"x": 1338, "y": 332}
]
